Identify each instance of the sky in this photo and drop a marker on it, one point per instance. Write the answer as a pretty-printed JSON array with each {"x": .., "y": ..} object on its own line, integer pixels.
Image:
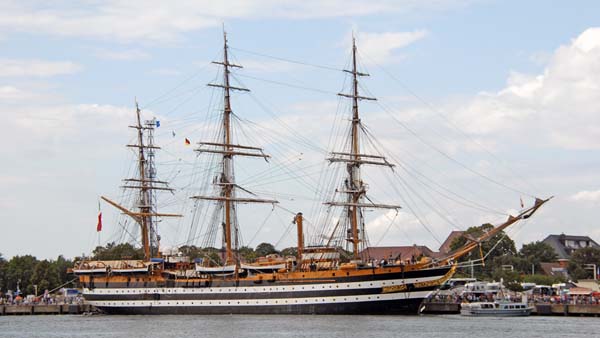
[{"x": 488, "y": 102}]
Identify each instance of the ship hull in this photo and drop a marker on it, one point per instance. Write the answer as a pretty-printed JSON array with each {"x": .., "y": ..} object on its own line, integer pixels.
[
  {"x": 395, "y": 307},
  {"x": 372, "y": 294}
]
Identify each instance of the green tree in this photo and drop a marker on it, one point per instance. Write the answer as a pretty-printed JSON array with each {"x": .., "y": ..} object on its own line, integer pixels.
[
  {"x": 264, "y": 249},
  {"x": 496, "y": 246},
  {"x": 579, "y": 259},
  {"x": 45, "y": 275},
  {"x": 191, "y": 251},
  {"x": 247, "y": 254},
  {"x": 543, "y": 279},
  {"x": 505, "y": 262},
  {"x": 114, "y": 251},
  {"x": 534, "y": 254},
  {"x": 19, "y": 270},
  {"x": 291, "y": 251},
  {"x": 61, "y": 265},
  {"x": 2, "y": 273}
]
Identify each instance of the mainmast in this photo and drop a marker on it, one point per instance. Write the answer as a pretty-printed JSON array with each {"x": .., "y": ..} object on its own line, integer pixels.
[
  {"x": 225, "y": 180},
  {"x": 354, "y": 187}
]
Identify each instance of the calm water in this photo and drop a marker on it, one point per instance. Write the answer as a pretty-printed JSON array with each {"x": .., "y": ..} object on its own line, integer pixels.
[{"x": 295, "y": 326}]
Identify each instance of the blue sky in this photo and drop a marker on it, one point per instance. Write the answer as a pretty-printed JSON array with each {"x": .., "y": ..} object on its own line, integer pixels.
[{"x": 520, "y": 78}]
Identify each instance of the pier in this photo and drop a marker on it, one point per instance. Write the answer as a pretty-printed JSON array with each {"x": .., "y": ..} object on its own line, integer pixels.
[
  {"x": 63, "y": 309},
  {"x": 579, "y": 310}
]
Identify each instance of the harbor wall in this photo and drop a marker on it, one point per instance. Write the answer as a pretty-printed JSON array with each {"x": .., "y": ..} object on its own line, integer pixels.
[{"x": 6, "y": 310}]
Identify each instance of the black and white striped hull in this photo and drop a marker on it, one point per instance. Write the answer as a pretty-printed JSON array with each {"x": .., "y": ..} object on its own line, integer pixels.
[{"x": 391, "y": 294}]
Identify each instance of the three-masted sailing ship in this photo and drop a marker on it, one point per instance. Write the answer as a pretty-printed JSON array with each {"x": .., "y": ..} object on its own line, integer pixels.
[{"x": 317, "y": 281}]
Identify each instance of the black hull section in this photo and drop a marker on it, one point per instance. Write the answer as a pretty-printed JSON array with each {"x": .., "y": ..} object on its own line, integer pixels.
[{"x": 392, "y": 307}]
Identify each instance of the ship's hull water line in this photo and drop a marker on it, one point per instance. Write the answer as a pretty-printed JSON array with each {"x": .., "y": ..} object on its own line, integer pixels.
[{"x": 382, "y": 296}]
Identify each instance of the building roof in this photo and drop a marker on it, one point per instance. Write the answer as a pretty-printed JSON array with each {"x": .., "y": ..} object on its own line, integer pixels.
[
  {"x": 564, "y": 245},
  {"x": 554, "y": 269},
  {"x": 445, "y": 247}
]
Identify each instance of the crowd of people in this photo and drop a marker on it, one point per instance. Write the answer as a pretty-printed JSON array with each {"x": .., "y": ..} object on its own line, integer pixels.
[
  {"x": 591, "y": 299},
  {"x": 45, "y": 299}
]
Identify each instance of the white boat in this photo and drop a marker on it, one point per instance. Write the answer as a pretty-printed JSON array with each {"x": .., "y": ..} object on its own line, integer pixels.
[{"x": 496, "y": 309}]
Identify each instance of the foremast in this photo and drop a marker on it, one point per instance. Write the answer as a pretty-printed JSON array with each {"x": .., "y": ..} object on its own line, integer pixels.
[
  {"x": 225, "y": 180},
  {"x": 354, "y": 188},
  {"x": 145, "y": 184}
]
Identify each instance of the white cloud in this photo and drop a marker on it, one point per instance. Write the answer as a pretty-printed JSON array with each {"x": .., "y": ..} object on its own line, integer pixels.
[
  {"x": 380, "y": 47},
  {"x": 61, "y": 156},
  {"x": 558, "y": 107},
  {"x": 587, "y": 196},
  {"x": 123, "y": 55},
  {"x": 10, "y": 93},
  {"x": 154, "y": 20},
  {"x": 36, "y": 68}
]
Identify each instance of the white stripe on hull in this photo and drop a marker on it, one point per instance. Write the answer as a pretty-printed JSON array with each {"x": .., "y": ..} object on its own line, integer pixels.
[
  {"x": 254, "y": 289},
  {"x": 265, "y": 302}
]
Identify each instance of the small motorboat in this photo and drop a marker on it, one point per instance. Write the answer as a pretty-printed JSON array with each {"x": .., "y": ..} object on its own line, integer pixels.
[{"x": 497, "y": 309}]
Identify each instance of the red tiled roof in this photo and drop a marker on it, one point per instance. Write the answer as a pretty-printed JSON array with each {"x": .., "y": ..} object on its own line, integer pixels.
[{"x": 445, "y": 247}]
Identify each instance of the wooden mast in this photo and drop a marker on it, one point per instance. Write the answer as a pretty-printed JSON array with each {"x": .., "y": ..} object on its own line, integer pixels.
[
  {"x": 226, "y": 179},
  {"x": 354, "y": 187},
  {"x": 144, "y": 198},
  {"x": 298, "y": 220},
  {"x": 227, "y": 176},
  {"x": 354, "y": 169}
]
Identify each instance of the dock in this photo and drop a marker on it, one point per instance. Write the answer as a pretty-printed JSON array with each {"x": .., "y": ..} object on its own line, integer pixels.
[
  {"x": 579, "y": 310},
  {"x": 63, "y": 309},
  {"x": 440, "y": 308},
  {"x": 582, "y": 310}
]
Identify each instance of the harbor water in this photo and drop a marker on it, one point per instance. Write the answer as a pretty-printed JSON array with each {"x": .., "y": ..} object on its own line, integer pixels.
[{"x": 446, "y": 326}]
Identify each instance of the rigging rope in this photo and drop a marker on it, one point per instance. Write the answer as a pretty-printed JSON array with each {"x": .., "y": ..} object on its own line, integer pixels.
[{"x": 288, "y": 60}]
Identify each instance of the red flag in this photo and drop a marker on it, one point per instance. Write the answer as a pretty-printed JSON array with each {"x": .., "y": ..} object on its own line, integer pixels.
[
  {"x": 99, "y": 225},
  {"x": 187, "y": 142}
]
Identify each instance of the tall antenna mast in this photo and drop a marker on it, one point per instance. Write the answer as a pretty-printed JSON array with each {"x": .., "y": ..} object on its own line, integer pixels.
[
  {"x": 226, "y": 179},
  {"x": 354, "y": 187}
]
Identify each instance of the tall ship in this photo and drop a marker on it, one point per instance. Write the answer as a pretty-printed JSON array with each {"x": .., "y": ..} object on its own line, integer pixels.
[{"x": 318, "y": 279}]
